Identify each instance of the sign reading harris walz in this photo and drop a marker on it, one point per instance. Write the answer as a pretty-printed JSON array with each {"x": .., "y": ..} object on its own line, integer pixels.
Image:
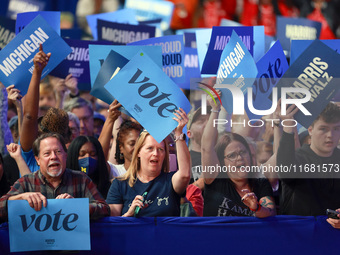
[
  {"x": 16, "y": 59},
  {"x": 63, "y": 224},
  {"x": 315, "y": 72}
]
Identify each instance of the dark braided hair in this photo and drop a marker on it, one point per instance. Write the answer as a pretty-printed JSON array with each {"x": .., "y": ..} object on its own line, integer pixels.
[{"x": 124, "y": 129}]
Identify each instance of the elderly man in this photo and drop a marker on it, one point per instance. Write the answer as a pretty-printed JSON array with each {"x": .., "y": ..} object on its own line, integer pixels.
[{"x": 54, "y": 180}]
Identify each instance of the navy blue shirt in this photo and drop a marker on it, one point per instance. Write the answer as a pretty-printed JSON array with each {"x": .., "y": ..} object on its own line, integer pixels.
[{"x": 161, "y": 199}]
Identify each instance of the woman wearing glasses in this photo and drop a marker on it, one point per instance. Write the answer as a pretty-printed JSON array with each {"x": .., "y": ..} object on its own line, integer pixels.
[
  {"x": 229, "y": 189},
  {"x": 148, "y": 189}
]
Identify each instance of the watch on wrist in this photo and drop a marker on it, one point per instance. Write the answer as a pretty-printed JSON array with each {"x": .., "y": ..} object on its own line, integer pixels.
[{"x": 181, "y": 137}]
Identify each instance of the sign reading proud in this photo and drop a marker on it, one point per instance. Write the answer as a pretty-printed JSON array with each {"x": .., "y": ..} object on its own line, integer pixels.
[
  {"x": 173, "y": 55},
  {"x": 7, "y": 28},
  {"x": 63, "y": 224}
]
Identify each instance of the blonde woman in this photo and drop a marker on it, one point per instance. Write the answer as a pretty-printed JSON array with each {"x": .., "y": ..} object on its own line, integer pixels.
[{"x": 148, "y": 189}]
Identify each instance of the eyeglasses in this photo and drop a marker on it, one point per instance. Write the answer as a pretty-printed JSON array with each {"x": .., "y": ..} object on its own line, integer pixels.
[{"x": 233, "y": 156}]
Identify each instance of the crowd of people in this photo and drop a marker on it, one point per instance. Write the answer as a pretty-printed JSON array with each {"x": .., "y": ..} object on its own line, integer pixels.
[{"x": 60, "y": 143}]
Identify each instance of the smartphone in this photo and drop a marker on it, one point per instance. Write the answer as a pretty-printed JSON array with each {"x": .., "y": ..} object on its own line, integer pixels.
[{"x": 332, "y": 214}]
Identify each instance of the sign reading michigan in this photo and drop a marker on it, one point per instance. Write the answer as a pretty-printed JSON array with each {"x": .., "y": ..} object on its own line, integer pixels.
[{"x": 16, "y": 59}]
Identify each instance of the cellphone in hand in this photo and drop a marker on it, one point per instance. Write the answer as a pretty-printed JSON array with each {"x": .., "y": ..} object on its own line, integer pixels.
[{"x": 332, "y": 214}]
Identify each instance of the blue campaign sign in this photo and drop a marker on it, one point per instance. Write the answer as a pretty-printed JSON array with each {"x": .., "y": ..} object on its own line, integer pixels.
[
  {"x": 151, "y": 10},
  {"x": 271, "y": 67},
  {"x": 190, "y": 40},
  {"x": 52, "y": 18},
  {"x": 19, "y": 6},
  {"x": 16, "y": 59},
  {"x": 173, "y": 55},
  {"x": 191, "y": 65},
  {"x": 149, "y": 95},
  {"x": 299, "y": 46},
  {"x": 63, "y": 224},
  {"x": 259, "y": 43},
  {"x": 122, "y": 34},
  {"x": 98, "y": 53},
  {"x": 77, "y": 63},
  {"x": 7, "y": 31},
  {"x": 236, "y": 69},
  {"x": 73, "y": 33},
  {"x": 296, "y": 29},
  {"x": 110, "y": 67},
  {"x": 219, "y": 38},
  {"x": 126, "y": 16},
  {"x": 315, "y": 71},
  {"x": 202, "y": 40}
]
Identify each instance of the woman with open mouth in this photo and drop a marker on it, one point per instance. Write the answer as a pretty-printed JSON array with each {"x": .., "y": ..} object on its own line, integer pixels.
[
  {"x": 148, "y": 189},
  {"x": 230, "y": 189}
]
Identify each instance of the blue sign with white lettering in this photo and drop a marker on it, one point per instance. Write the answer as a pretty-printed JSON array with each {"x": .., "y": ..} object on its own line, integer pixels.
[
  {"x": 16, "y": 59},
  {"x": 7, "y": 28},
  {"x": 191, "y": 65},
  {"x": 52, "y": 18},
  {"x": 152, "y": 95},
  {"x": 219, "y": 39},
  {"x": 236, "y": 69},
  {"x": 270, "y": 68},
  {"x": 173, "y": 55},
  {"x": 124, "y": 16},
  {"x": 296, "y": 29},
  {"x": 315, "y": 71},
  {"x": 122, "y": 34},
  {"x": 63, "y": 224}
]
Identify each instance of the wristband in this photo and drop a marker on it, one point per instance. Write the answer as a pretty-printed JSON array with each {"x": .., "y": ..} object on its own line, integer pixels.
[
  {"x": 212, "y": 110},
  {"x": 74, "y": 96},
  {"x": 257, "y": 209}
]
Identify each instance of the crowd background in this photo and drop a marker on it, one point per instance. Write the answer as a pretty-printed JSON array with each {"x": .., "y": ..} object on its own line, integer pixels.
[{"x": 99, "y": 133}]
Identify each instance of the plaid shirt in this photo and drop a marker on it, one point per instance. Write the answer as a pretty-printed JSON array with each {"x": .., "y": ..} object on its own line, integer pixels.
[{"x": 75, "y": 183}]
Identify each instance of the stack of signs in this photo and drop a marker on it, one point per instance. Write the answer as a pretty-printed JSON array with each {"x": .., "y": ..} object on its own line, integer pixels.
[
  {"x": 124, "y": 16},
  {"x": 122, "y": 34},
  {"x": 252, "y": 38},
  {"x": 237, "y": 71},
  {"x": 16, "y": 59},
  {"x": 77, "y": 63},
  {"x": 311, "y": 82},
  {"x": 152, "y": 10},
  {"x": 63, "y": 224},
  {"x": 149, "y": 95},
  {"x": 173, "y": 55},
  {"x": 271, "y": 68},
  {"x": 7, "y": 28},
  {"x": 296, "y": 29}
]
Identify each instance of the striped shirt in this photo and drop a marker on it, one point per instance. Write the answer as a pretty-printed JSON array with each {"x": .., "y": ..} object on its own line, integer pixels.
[{"x": 75, "y": 183}]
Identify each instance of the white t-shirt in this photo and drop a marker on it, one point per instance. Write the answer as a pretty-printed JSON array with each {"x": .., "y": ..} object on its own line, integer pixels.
[{"x": 116, "y": 170}]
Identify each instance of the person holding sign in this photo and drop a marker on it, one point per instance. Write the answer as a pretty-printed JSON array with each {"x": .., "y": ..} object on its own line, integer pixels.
[
  {"x": 148, "y": 189},
  {"x": 313, "y": 184},
  {"x": 229, "y": 189},
  {"x": 54, "y": 180}
]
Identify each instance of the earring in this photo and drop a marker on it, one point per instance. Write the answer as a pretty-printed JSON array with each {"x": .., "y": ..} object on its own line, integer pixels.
[{"x": 121, "y": 156}]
